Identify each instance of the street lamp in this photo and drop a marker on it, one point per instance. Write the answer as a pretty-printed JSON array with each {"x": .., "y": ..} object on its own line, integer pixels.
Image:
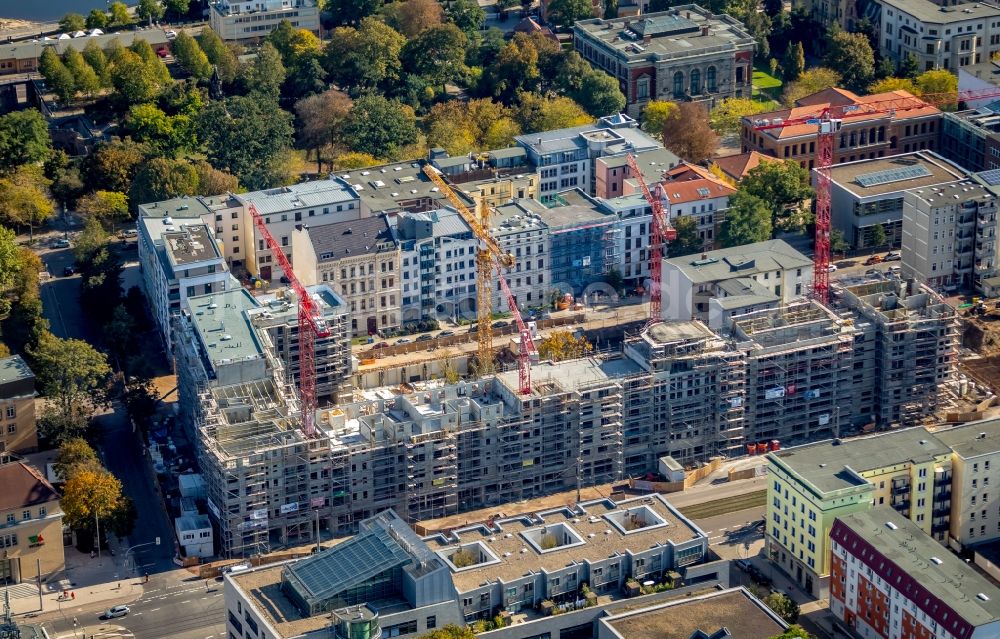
[{"x": 131, "y": 548}]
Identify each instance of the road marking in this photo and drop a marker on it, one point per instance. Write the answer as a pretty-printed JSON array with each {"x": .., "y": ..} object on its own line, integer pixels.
[
  {"x": 186, "y": 601},
  {"x": 154, "y": 609}
]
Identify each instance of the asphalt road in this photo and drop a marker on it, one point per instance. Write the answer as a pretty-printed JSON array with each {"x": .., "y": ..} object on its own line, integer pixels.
[
  {"x": 61, "y": 295},
  {"x": 734, "y": 527},
  {"x": 168, "y": 608}
]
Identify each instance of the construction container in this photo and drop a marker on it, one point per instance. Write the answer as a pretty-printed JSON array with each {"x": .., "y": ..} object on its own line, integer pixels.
[
  {"x": 751, "y": 449},
  {"x": 775, "y": 445}
]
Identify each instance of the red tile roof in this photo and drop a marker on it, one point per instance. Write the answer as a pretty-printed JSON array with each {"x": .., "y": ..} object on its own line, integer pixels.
[
  {"x": 737, "y": 166},
  {"x": 685, "y": 191},
  {"x": 23, "y": 486}
]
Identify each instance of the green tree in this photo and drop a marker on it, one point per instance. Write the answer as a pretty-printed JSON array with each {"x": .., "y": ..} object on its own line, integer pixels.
[
  {"x": 364, "y": 58},
  {"x": 748, "y": 220},
  {"x": 379, "y": 127},
  {"x": 161, "y": 133},
  {"x": 940, "y": 84},
  {"x": 352, "y": 160},
  {"x": 57, "y": 76},
  {"x": 94, "y": 55},
  {"x": 687, "y": 133},
  {"x": 350, "y": 12},
  {"x": 220, "y": 55},
  {"x": 688, "y": 242},
  {"x": 149, "y": 10},
  {"x": 212, "y": 181},
  {"x": 759, "y": 25},
  {"x": 411, "y": 17},
  {"x": 247, "y": 138},
  {"x": 265, "y": 74},
  {"x": 320, "y": 119},
  {"x": 23, "y": 199},
  {"x": 97, "y": 19},
  {"x": 154, "y": 63},
  {"x": 460, "y": 127},
  {"x": 794, "y": 632},
  {"x": 783, "y": 185},
  {"x": 85, "y": 79},
  {"x": 437, "y": 54},
  {"x": 566, "y": 12},
  {"x": 162, "y": 179},
  {"x": 90, "y": 241},
  {"x": 909, "y": 67},
  {"x": 72, "y": 22},
  {"x": 655, "y": 116},
  {"x": 894, "y": 84},
  {"x": 838, "y": 243},
  {"x": 11, "y": 263},
  {"x": 451, "y": 631},
  {"x": 811, "y": 81},
  {"x": 514, "y": 71},
  {"x": 120, "y": 16},
  {"x": 178, "y": 7},
  {"x": 107, "y": 206},
  {"x": 725, "y": 119},
  {"x": 118, "y": 332},
  {"x": 598, "y": 94},
  {"x": 113, "y": 165},
  {"x": 884, "y": 68},
  {"x": 850, "y": 55},
  {"x": 467, "y": 15},
  {"x": 306, "y": 78},
  {"x": 876, "y": 236},
  {"x": 783, "y": 606},
  {"x": 794, "y": 62},
  {"x": 190, "y": 57},
  {"x": 773, "y": 7},
  {"x": 133, "y": 80},
  {"x": 25, "y": 324},
  {"x": 539, "y": 113},
  {"x": 24, "y": 139},
  {"x": 74, "y": 455},
  {"x": 70, "y": 373}
]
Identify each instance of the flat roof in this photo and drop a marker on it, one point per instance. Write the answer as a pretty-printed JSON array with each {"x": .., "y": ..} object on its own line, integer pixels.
[
  {"x": 285, "y": 309},
  {"x": 192, "y": 522},
  {"x": 972, "y": 439},
  {"x": 735, "y": 609},
  {"x": 221, "y": 321},
  {"x": 13, "y": 369},
  {"x": 190, "y": 245},
  {"x": 927, "y": 11},
  {"x": 670, "y": 332},
  {"x": 601, "y": 539},
  {"x": 317, "y": 193},
  {"x": 574, "y": 373},
  {"x": 932, "y": 568},
  {"x": 383, "y": 188},
  {"x": 940, "y": 170},
  {"x": 179, "y": 207},
  {"x": 823, "y": 464},
  {"x": 674, "y": 33},
  {"x": 575, "y": 208},
  {"x": 652, "y": 162},
  {"x": 740, "y": 261}
]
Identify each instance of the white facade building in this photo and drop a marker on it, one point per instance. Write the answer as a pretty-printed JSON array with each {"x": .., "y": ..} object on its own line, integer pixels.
[
  {"x": 194, "y": 533},
  {"x": 941, "y": 36},
  {"x": 519, "y": 229},
  {"x": 244, "y": 20}
]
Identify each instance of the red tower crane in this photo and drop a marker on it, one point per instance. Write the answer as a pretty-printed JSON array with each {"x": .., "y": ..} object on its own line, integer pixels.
[
  {"x": 311, "y": 326},
  {"x": 527, "y": 351},
  {"x": 828, "y": 120},
  {"x": 661, "y": 233}
]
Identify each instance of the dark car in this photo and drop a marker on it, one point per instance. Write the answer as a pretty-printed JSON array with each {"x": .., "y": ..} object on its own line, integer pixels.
[
  {"x": 501, "y": 324},
  {"x": 381, "y": 345},
  {"x": 69, "y": 270},
  {"x": 426, "y": 337},
  {"x": 446, "y": 333}
]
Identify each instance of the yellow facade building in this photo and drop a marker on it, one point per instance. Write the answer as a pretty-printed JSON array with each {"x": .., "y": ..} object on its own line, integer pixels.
[
  {"x": 31, "y": 536},
  {"x": 18, "y": 432}
]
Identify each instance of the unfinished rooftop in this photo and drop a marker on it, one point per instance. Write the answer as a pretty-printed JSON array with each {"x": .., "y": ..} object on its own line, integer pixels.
[
  {"x": 249, "y": 418},
  {"x": 797, "y": 325},
  {"x": 896, "y": 303}
]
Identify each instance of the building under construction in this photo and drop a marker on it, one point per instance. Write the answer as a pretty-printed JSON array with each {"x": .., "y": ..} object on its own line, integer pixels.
[
  {"x": 800, "y": 372},
  {"x": 915, "y": 336}
]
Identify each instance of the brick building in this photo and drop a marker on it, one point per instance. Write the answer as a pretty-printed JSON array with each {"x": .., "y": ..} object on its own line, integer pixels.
[{"x": 861, "y": 137}]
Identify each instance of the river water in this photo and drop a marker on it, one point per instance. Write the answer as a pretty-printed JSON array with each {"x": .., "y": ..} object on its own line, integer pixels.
[{"x": 48, "y": 10}]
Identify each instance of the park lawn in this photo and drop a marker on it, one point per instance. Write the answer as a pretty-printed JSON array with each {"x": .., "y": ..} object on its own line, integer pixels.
[{"x": 764, "y": 80}]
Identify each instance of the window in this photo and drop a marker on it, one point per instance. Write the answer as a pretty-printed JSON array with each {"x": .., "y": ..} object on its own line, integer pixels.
[
  {"x": 11, "y": 412},
  {"x": 641, "y": 89},
  {"x": 432, "y": 622},
  {"x": 710, "y": 79},
  {"x": 678, "y": 84},
  {"x": 695, "y": 82},
  {"x": 26, "y": 514}
]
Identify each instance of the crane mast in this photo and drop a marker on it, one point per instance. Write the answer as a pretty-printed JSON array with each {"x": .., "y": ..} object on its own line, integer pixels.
[
  {"x": 661, "y": 233},
  {"x": 311, "y": 326}
]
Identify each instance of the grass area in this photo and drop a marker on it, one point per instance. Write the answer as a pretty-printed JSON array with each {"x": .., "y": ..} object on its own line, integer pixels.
[
  {"x": 766, "y": 88},
  {"x": 725, "y": 505},
  {"x": 764, "y": 80}
]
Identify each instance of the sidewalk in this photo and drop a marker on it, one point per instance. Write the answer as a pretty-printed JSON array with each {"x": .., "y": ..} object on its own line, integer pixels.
[{"x": 91, "y": 580}]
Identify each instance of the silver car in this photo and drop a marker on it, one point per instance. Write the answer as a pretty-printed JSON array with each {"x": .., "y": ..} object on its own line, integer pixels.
[{"x": 115, "y": 612}]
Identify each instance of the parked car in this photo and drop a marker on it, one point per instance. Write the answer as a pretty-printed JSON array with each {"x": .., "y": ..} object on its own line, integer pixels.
[
  {"x": 892, "y": 256},
  {"x": 873, "y": 271},
  {"x": 895, "y": 269},
  {"x": 130, "y": 233},
  {"x": 68, "y": 271},
  {"x": 425, "y": 337},
  {"x": 830, "y": 268},
  {"x": 114, "y": 612},
  {"x": 500, "y": 324},
  {"x": 61, "y": 243},
  {"x": 404, "y": 340},
  {"x": 381, "y": 345},
  {"x": 446, "y": 333},
  {"x": 874, "y": 259}
]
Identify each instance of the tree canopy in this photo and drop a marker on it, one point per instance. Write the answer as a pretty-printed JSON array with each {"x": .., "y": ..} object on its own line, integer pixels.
[
  {"x": 349, "y": 12},
  {"x": 74, "y": 455},
  {"x": 190, "y": 57},
  {"x": 379, "y": 126},
  {"x": 748, "y": 220},
  {"x": 24, "y": 139},
  {"x": 364, "y": 58},
  {"x": 686, "y": 132},
  {"x": 248, "y": 138},
  {"x": 851, "y": 55},
  {"x": 726, "y": 117},
  {"x": 566, "y": 12},
  {"x": 560, "y": 345},
  {"x": 688, "y": 242},
  {"x": 71, "y": 373},
  {"x": 782, "y": 185},
  {"x": 811, "y": 81}
]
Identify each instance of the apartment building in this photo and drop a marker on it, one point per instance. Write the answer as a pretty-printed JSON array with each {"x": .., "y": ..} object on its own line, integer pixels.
[
  {"x": 866, "y": 193},
  {"x": 397, "y": 188},
  {"x": 565, "y": 158},
  {"x": 950, "y": 235},
  {"x": 693, "y": 191},
  {"x": 861, "y": 136},
  {"x": 810, "y": 486},
  {"x": 437, "y": 265},
  {"x": 584, "y": 240},
  {"x": 941, "y": 36},
  {"x": 611, "y": 172},
  {"x": 18, "y": 432},
  {"x": 317, "y": 203},
  {"x": 252, "y": 20},
  {"x": 971, "y": 138},
  {"x": 687, "y": 53},
  {"x": 888, "y": 579},
  {"x": 800, "y": 373},
  {"x": 179, "y": 259},
  {"x": 634, "y": 219},
  {"x": 975, "y": 455},
  {"x": 360, "y": 260},
  {"x": 431, "y": 583},
  {"x": 31, "y": 531},
  {"x": 754, "y": 276},
  {"x": 691, "y": 403},
  {"x": 519, "y": 228}
]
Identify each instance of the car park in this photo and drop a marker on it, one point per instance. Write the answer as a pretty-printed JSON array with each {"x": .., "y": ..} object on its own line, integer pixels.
[{"x": 114, "y": 612}]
